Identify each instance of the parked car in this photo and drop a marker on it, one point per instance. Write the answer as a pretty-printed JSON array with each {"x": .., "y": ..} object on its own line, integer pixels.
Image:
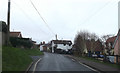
[
  {"x": 111, "y": 59},
  {"x": 94, "y": 55},
  {"x": 101, "y": 56}
]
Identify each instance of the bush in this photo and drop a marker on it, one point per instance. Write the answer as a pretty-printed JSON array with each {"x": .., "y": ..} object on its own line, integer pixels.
[{"x": 18, "y": 42}]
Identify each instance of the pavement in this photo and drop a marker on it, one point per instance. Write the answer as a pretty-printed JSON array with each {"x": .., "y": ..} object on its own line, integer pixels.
[{"x": 98, "y": 66}]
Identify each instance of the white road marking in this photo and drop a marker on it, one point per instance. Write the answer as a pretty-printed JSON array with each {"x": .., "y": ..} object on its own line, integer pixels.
[
  {"x": 88, "y": 67},
  {"x": 35, "y": 65},
  {"x": 73, "y": 60},
  {"x": 29, "y": 67}
]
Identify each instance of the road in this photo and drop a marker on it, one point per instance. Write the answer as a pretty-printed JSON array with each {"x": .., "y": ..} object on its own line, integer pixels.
[{"x": 59, "y": 62}]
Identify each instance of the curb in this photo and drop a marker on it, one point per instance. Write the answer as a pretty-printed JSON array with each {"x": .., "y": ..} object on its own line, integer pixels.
[
  {"x": 29, "y": 67},
  {"x": 32, "y": 64},
  {"x": 35, "y": 65},
  {"x": 99, "y": 71}
]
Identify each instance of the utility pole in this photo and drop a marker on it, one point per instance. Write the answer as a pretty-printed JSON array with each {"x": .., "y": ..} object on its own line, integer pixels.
[
  {"x": 8, "y": 23},
  {"x": 56, "y": 37}
]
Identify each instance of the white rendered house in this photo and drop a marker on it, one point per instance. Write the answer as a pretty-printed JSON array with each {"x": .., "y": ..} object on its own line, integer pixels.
[{"x": 62, "y": 45}]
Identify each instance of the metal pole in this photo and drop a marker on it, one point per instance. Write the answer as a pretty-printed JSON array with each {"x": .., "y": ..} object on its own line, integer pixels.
[{"x": 8, "y": 22}]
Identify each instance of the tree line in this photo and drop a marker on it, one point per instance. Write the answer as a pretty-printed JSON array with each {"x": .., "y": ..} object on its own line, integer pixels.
[{"x": 85, "y": 42}]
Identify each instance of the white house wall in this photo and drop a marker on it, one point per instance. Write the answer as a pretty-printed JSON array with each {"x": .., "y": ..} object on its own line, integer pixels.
[
  {"x": 61, "y": 46},
  {"x": 66, "y": 47},
  {"x": 41, "y": 48}
]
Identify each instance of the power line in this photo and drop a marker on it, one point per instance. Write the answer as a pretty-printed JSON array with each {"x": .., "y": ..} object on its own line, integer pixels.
[
  {"x": 87, "y": 19},
  {"x": 27, "y": 15},
  {"x": 41, "y": 17}
]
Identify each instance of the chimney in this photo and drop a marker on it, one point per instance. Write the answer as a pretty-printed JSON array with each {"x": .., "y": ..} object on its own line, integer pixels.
[{"x": 43, "y": 42}]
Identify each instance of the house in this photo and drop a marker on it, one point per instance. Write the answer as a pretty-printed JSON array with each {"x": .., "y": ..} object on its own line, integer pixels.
[
  {"x": 109, "y": 50},
  {"x": 41, "y": 47},
  {"x": 116, "y": 47},
  {"x": 45, "y": 47},
  {"x": 97, "y": 48},
  {"x": 34, "y": 44},
  {"x": 16, "y": 34},
  {"x": 60, "y": 46}
]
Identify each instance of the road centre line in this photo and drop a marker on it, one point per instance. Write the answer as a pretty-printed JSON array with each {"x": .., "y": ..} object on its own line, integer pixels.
[{"x": 73, "y": 60}]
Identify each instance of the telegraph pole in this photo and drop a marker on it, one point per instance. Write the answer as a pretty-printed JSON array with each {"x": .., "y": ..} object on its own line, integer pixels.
[
  {"x": 8, "y": 22},
  {"x": 56, "y": 37}
]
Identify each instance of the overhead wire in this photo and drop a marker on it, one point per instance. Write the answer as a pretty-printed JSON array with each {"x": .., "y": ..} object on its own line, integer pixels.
[
  {"x": 27, "y": 16},
  {"x": 88, "y": 18},
  {"x": 42, "y": 17}
]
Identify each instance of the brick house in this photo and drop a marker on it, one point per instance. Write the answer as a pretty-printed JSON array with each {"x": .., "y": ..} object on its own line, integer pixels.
[
  {"x": 97, "y": 48},
  {"x": 116, "y": 46},
  {"x": 109, "y": 50}
]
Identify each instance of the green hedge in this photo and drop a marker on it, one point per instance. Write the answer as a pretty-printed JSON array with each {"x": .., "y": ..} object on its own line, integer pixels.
[{"x": 18, "y": 42}]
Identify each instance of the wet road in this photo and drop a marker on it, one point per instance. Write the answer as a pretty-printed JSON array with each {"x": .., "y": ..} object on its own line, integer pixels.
[{"x": 59, "y": 62}]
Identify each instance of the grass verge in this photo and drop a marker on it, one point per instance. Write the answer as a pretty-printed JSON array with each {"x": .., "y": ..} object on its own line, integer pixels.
[
  {"x": 16, "y": 59},
  {"x": 98, "y": 61},
  {"x": 33, "y": 52}
]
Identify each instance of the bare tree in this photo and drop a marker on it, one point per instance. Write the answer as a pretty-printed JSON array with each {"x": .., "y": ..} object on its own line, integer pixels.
[
  {"x": 93, "y": 39},
  {"x": 82, "y": 39},
  {"x": 79, "y": 44},
  {"x": 105, "y": 37}
]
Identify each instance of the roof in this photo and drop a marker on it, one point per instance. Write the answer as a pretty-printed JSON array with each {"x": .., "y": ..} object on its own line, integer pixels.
[
  {"x": 15, "y": 34},
  {"x": 111, "y": 39},
  {"x": 98, "y": 45},
  {"x": 118, "y": 35},
  {"x": 62, "y": 42},
  {"x": 34, "y": 42}
]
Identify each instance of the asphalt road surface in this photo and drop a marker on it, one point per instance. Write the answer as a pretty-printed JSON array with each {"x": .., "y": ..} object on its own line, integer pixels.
[{"x": 59, "y": 62}]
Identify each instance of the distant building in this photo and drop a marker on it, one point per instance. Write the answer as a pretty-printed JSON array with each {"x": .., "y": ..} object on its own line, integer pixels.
[
  {"x": 41, "y": 47},
  {"x": 16, "y": 34},
  {"x": 45, "y": 47},
  {"x": 109, "y": 50},
  {"x": 61, "y": 46},
  {"x": 96, "y": 49}
]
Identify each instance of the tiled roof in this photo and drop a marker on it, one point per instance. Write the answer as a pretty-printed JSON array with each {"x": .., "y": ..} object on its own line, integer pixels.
[
  {"x": 111, "y": 39},
  {"x": 15, "y": 34}
]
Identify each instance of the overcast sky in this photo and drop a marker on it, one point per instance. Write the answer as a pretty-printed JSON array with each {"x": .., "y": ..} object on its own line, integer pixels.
[{"x": 64, "y": 17}]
